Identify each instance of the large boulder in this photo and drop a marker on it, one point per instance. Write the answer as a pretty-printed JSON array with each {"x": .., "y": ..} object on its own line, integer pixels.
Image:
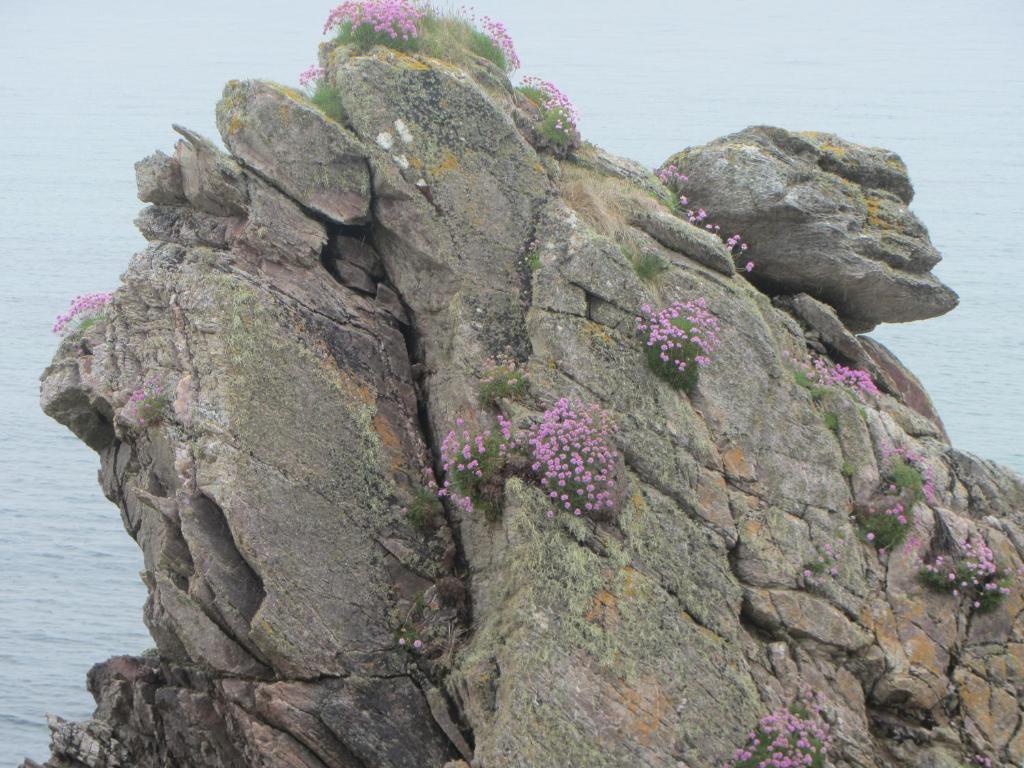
[{"x": 824, "y": 217}]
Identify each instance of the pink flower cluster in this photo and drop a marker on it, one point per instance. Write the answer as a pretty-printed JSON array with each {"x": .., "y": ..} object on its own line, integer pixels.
[
  {"x": 973, "y": 573},
  {"x": 573, "y": 457},
  {"x": 311, "y": 75},
  {"x": 797, "y": 737},
  {"x": 393, "y": 18},
  {"x": 469, "y": 460},
  {"x": 827, "y": 562},
  {"x": 854, "y": 378},
  {"x": 569, "y": 453},
  {"x": 672, "y": 177},
  {"x": 826, "y": 374},
  {"x": 556, "y": 103},
  {"x": 147, "y": 403},
  {"x": 888, "y": 527},
  {"x": 82, "y": 307},
  {"x": 408, "y": 638},
  {"x": 892, "y": 456},
  {"x": 984, "y": 762},
  {"x": 679, "y": 338},
  {"x": 500, "y": 37}
]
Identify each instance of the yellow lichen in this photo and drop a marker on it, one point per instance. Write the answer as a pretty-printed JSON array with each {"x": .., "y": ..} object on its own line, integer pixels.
[{"x": 447, "y": 164}]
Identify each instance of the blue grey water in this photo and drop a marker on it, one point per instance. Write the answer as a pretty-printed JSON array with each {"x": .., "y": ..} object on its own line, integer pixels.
[{"x": 88, "y": 88}]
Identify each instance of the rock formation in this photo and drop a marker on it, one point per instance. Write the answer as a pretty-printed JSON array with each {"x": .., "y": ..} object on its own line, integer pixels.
[
  {"x": 829, "y": 218},
  {"x": 318, "y": 305}
]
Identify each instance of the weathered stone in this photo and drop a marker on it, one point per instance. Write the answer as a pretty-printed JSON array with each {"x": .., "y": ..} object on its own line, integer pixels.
[
  {"x": 682, "y": 237},
  {"x": 212, "y": 182},
  {"x": 902, "y": 382},
  {"x": 359, "y": 253},
  {"x": 158, "y": 178},
  {"x": 823, "y": 217},
  {"x": 313, "y": 159}
]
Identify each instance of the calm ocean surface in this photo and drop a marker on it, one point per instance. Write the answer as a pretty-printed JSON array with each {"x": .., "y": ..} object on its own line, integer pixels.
[{"x": 88, "y": 88}]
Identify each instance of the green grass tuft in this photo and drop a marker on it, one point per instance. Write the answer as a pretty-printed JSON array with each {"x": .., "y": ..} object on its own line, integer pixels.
[
  {"x": 328, "y": 101},
  {"x": 907, "y": 477},
  {"x": 804, "y": 381},
  {"x": 502, "y": 382},
  {"x": 424, "y": 511},
  {"x": 832, "y": 422}
]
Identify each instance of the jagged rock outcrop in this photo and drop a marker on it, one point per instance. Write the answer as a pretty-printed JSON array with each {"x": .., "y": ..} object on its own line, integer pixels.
[
  {"x": 828, "y": 217},
  {"x": 318, "y": 304}
]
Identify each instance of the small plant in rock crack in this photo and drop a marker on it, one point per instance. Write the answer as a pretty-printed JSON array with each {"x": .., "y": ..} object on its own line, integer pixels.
[
  {"x": 795, "y": 737},
  {"x": 826, "y": 563},
  {"x": 648, "y": 264},
  {"x": 84, "y": 312},
  {"x": 831, "y": 422},
  {"x": 907, "y": 480},
  {"x": 324, "y": 97},
  {"x": 559, "y": 120},
  {"x": 424, "y": 509},
  {"x": 678, "y": 340},
  {"x": 907, "y": 472},
  {"x": 971, "y": 574},
  {"x": 148, "y": 405},
  {"x": 475, "y": 466},
  {"x": 409, "y": 638},
  {"x": 502, "y": 379},
  {"x": 887, "y": 527}
]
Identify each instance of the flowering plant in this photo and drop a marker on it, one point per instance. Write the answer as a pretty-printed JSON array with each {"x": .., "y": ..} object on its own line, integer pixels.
[
  {"x": 972, "y": 573},
  {"x": 311, "y": 75},
  {"x": 83, "y": 312},
  {"x": 568, "y": 452},
  {"x": 827, "y": 562},
  {"x": 502, "y": 40},
  {"x": 148, "y": 404},
  {"x": 573, "y": 458},
  {"x": 788, "y": 738},
  {"x": 366, "y": 23},
  {"x": 907, "y": 480},
  {"x": 888, "y": 527},
  {"x": 501, "y": 378},
  {"x": 820, "y": 374},
  {"x": 559, "y": 118},
  {"x": 474, "y": 465},
  {"x": 679, "y": 340}
]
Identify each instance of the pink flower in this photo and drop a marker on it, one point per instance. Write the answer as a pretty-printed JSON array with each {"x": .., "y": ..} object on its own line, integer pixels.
[
  {"x": 750, "y": 266},
  {"x": 82, "y": 307},
  {"x": 392, "y": 18},
  {"x": 311, "y": 75}
]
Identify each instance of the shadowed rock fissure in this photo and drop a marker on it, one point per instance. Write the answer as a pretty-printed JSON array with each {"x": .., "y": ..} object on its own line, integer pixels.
[{"x": 414, "y": 350}]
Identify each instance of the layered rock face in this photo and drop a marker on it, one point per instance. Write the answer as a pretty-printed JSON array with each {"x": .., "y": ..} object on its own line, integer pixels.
[{"x": 319, "y": 302}]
